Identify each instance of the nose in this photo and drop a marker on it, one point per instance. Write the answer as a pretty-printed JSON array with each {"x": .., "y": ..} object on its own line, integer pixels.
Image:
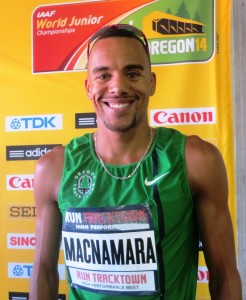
[{"x": 118, "y": 85}]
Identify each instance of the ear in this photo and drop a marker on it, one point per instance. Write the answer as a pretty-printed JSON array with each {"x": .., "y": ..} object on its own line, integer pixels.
[
  {"x": 153, "y": 83},
  {"x": 87, "y": 88}
]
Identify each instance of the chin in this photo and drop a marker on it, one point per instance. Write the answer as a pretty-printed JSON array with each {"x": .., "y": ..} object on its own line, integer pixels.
[{"x": 120, "y": 127}]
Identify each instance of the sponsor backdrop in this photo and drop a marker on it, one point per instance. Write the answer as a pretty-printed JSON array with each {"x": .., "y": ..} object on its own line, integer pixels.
[{"x": 43, "y": 102}]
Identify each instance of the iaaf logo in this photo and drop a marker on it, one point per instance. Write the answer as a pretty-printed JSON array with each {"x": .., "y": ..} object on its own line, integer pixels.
[
  {"x": 31, "y": 152},
  {"x": 183, "y": 116},
  {"x": 19, "y": 182},
  {"x": 31, "y": 123},
  {"x": 21, "y": 241},
  {"x": 45, "y": 14},
  {"x": 22, "y": 270}
]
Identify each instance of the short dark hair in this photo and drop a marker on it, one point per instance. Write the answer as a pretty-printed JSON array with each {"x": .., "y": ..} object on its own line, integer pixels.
[{"x": 119, "y": 30}]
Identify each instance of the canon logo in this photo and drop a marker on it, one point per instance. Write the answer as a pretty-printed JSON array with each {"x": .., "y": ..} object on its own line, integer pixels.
[
  {"x": 202, "y": 275},
  {"x": 183, "y": 116},
  {"x": 21, "y": 241},
  {"x": 19, "y": 182}
]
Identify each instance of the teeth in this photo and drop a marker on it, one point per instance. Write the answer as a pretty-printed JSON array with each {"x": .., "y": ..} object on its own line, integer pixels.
[{"x": 118, "y": 105}]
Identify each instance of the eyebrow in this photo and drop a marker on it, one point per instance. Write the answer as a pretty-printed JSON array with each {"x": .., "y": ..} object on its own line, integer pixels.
[
  {"x": 127, "y": 67},
  {"x": 134, "y": 66},
  {"x": 100, "y": 69}
]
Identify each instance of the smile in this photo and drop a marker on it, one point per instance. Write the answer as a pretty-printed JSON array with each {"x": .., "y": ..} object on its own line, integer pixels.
[{"x": 118, "y": 105}]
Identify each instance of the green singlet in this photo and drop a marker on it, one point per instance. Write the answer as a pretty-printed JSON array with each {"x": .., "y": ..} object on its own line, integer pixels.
[{"x": 129, "y": 239}]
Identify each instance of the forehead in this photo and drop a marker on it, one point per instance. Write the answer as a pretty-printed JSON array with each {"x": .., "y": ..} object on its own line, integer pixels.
[{"x": 118, "y": 49}]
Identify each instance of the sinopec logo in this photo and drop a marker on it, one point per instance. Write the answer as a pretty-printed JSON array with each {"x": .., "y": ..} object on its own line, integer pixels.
[
  {"x": 19, "y": 182},
  {"x": 183, "y": 116},
  {"x": 21, "y": 241},
  {"x": 31, "y": 123},
  {"x": 25, "y": 152},
  {"x": 21, "y": 212}
]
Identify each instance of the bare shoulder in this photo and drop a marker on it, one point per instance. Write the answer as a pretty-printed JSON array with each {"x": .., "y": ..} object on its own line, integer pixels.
[
  {"x": 51, "y": 159},
  {"x": 48, "y": 173},
  {"x": 201, "y": 148},
  {"x": 205, "y": 164}
]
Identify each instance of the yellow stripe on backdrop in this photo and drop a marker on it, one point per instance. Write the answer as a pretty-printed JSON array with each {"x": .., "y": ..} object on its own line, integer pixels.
[{"x": 40, "y": 102}]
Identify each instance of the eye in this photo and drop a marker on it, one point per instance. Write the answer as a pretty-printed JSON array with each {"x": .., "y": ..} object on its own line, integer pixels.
[
  {"x": 133, "y": 75},
  {"x": 103, "y": 76}
]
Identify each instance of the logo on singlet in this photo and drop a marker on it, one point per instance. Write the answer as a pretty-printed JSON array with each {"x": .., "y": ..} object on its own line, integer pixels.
[
  {"x": 84, "y": 182},
  {"x": 152, "y": 182}
]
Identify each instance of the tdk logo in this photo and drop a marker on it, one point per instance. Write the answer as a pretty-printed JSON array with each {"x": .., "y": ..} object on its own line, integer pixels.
[
  {"x": 30, "y": 123},
  {"x": 23, "y": 270}
]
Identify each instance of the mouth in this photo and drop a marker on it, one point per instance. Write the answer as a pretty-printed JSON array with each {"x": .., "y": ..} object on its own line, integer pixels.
[{"x": 119, "y": 104}]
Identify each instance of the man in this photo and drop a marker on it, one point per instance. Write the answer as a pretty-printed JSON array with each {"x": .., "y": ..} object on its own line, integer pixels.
[{"x": 131, "y": 201}]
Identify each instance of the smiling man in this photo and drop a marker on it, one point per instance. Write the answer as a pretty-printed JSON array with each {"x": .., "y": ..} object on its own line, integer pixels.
[{"x": 129, "y": 201}]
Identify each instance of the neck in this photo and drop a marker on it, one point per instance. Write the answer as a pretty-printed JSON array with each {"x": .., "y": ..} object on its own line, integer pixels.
[{"x": 123, "y": 148}]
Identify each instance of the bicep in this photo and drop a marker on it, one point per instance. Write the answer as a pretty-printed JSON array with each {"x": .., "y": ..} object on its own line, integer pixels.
[{"x": 209, "y": 184}]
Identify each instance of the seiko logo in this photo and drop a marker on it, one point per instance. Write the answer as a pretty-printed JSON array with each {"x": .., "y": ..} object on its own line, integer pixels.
[
  {"x": 22, "y": 211},
  {"x": 32, "y": 152},
  {"x": 183, "y": 116},
  {"x": 21, "y": 241},
  {"x": 19, "y": 182},
  {"x": 30, "y": 123},
  {"x": 85, "y": 120}
]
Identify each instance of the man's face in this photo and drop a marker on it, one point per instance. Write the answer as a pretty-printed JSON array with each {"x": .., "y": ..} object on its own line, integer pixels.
[{"x": 119, "y": 83}]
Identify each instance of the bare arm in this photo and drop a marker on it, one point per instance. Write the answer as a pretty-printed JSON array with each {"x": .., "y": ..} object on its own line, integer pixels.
[
  {"x": 208, "y": 180},
  {"x": 44, "y": 277}
]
